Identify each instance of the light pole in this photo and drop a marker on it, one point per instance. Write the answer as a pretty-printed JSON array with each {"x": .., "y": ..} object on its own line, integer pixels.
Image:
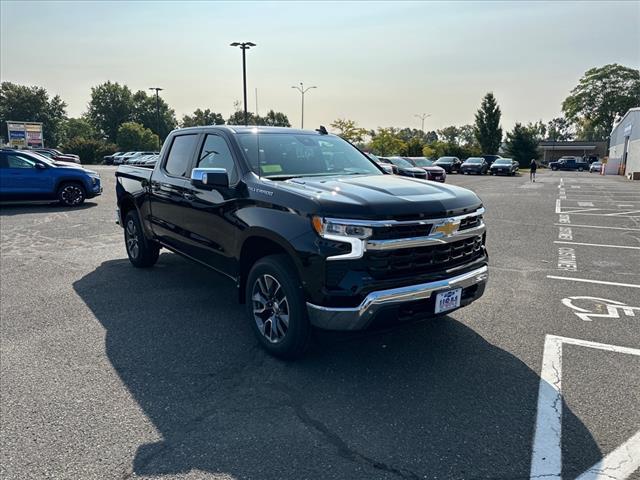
[
  {"x": 422, "y": 116},
  {"x": 244, "y": 46},
  {"x": 302, "y": 91},
  {"x": 157, "y": 89}
]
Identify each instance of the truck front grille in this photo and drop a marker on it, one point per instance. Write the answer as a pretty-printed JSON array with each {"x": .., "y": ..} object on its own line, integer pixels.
[{"x": 407, "y": 262}]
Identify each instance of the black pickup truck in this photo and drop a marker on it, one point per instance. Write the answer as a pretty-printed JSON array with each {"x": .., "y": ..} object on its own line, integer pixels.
[
  {"x": 569, "y": 163},
  {"x": 311, "y": 230}
]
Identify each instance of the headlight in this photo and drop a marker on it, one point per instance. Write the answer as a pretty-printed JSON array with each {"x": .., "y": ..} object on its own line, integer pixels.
[{"x": 340, "y": 228}]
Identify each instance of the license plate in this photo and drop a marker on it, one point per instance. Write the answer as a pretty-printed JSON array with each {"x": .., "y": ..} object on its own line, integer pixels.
[{"x": 448, "y": 300}]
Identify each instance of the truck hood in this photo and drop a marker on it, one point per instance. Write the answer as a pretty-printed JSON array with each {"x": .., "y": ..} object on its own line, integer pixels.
[{"x": 382, "y": 196}]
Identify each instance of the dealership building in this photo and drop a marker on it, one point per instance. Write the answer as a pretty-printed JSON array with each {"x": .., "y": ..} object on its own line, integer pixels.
[
  {"x": 591, "y": 151},
  {"x": 624, "y": 149}
]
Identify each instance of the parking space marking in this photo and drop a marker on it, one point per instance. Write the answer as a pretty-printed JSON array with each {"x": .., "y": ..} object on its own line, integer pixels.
[
  {"x": 617, "y": 464},
  {"x": 585, "y": 204},
  {"x": 546, "y": 458},
  {"x": 596, "y": 226},
  {"x": 567, "y": 259},
  {"x": 565, "y": 233},
  {"x": 588, "y": 280},
  {"x": 597, "y": 245},
  {"x": 612, "y": 307}
]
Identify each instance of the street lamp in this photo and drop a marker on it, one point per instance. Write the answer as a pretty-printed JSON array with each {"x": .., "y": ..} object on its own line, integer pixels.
[
  {"x": 422, "y": 116},
  {"x": 302, "y": 90},
  {"x": 157, "y": 89},
  {"x": 244, "y": 46}
]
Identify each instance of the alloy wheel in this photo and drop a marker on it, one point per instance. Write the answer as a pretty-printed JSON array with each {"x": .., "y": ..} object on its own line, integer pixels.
[
  {"x": 270, "y": 308},
  {"x": 131, "y": 234},
  {"x": 72, "y": 195}
]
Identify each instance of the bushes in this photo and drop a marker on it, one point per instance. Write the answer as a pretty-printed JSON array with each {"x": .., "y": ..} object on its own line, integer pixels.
[{"x": 89, "y": 150}]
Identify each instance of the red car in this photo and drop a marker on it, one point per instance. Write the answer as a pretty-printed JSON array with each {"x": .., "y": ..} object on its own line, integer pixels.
[
  {"x": 57, "y": 155},
  {"x": 435, "y": 173}
]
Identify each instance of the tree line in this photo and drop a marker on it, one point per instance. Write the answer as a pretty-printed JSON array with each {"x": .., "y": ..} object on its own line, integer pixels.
[
  {"x": 589, "y": 113},
  {"x": 116, "y": 118}
]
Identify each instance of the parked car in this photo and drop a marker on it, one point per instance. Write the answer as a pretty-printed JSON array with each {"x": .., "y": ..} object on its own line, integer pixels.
[
  {"x": 569, "y": 163},
  {"x": 108, "y": 159},
  {"x": 30, "y": 176},
  {"x": 388, "y": 168},
  {"x": 56, "y": 155},
  {"x": 450, "y": 164},
  {"x": 595, "y": 167},
  {"x": 134, "y": 156},
  {"x": 490, "y": 158},
  {"x": 476, "y": 165},
  {"x": 504, "y": 166},
  {"x": 405, "y": 167},
  {"x": 434, "y": 173},
  {"x": 308, "y": 229},
  {"x": 151, "y": 161}
]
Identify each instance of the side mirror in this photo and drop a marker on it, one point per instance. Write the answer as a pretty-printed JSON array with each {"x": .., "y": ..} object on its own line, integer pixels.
[
  {"x": 40, "y": 166},
  {"x": 209, "y": 178}
]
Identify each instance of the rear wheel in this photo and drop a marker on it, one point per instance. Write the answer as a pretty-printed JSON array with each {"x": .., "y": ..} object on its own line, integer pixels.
[
  {"x": 580, "y": 169},
  {"x": 276, "y": 307},
  {"x": 71, "y": 194},
  {"x": 142, "y": 252}
]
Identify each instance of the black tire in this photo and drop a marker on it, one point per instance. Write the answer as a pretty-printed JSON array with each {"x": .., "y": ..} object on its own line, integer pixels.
[
  {"x": 142, "y": 252},
  {"x": 580, "y": 169},
  {"x": 554, "y": 169},
  {"x": 71, "y": 194},
  {"x": 288, "y": 340}
]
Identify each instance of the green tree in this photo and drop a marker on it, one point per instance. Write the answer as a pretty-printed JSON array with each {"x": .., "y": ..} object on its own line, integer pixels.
[
  {"x": 78, "y": 127},
  {"x": 349, "y": 130},
  {"x": 386, "y": 142},
  {"x": 521, "y": 145},
  {"x": 449, "y": 134},
  {"x": 145, "y": 112},
  {"x": 133, "y": 136},
  {"x": 110, "y": 106},
  {"x": 601, "y": 94},
  {"x": 559, "y": 130},
  {"x": 487, "y": 125},
  {"x": 90, "y": 150},
  {"x": 200, "y": 117},
  {"x": 32, "y": 104},
  {"x": 538, "y": 130},
  {"x": 273, "y": 119}
]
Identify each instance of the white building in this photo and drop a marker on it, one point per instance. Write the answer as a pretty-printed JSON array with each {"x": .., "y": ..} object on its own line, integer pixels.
[{"x": 624, "y": 149}]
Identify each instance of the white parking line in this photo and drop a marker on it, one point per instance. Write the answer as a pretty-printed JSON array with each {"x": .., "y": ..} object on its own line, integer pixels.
[
  {"x": 597, "y": 245},
  {"x": 546, "y": 458},
  {"x": 600, "y": 226},
  {"x": 585, "y": 204},
  {"x": 600, "y": 282}
]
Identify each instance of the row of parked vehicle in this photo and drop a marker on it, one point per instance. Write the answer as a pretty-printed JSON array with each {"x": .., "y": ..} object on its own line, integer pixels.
[
  {"x": 437, "y": 170},
  {"x": 144, "y": 159}
]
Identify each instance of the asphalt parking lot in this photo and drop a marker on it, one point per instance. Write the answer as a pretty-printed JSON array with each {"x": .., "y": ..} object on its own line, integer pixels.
[{"x": 110, "y": 372}]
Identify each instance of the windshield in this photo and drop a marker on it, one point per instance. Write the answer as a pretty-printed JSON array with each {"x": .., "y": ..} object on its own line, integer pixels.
[
  {"x": 38, "y": 156},
  {"x": 288, "y": 155},
  {"x": 400, "y": 162},
  {"x": 445, "y": 160},
  {"x": 502, "y": 162},
  {"x": 474, "y": 160},
  {"x": 423, "y": 162}
]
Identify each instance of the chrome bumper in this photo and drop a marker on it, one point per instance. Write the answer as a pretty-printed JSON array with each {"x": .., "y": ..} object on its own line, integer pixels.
[{"x": 357, "y": 318}]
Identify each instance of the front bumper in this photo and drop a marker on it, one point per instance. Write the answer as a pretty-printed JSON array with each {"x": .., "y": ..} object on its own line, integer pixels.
[{"x": 358, "y": 318}]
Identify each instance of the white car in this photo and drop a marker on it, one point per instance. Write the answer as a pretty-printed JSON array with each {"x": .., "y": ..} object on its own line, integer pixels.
[{"x": 595, "y": 167}]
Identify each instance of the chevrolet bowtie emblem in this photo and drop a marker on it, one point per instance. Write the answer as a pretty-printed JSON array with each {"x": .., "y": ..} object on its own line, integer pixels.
[{"x": 448, "y": 227}]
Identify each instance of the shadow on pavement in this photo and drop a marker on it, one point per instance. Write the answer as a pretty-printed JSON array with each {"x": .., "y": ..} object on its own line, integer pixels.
[
  {"x": 19, "y": 208},
  {"x": 424, "y": 400}
]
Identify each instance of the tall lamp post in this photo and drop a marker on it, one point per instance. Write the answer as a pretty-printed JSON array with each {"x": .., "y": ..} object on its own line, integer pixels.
[
  {"x": 302, "y": 91},
  {"x": 422, "y": 116},
  {"x": 244, "y": 46},
  {"x": 157, "y": 89}
]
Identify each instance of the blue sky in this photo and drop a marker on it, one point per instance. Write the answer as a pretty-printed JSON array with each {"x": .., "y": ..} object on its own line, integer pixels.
[{"x": 379, "y": 63}]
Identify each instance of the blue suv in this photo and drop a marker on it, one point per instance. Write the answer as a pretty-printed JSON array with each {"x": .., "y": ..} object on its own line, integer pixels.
[{"x": 29, "y": 176}]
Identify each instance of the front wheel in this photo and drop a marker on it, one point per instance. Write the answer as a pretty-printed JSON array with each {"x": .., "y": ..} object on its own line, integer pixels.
[
  {"x": 580, "y": 169},
  {"x": 71, "y": 194},
  {"x": 142, "y": 252},
  {"x": 276, "y": 307}
]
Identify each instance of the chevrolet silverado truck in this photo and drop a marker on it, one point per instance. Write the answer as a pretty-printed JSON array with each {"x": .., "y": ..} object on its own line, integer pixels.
[{"x": 312, "y": 232}]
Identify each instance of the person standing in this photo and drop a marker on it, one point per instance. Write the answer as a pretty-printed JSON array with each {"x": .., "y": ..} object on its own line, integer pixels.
[{"x": 532, "y": 170}]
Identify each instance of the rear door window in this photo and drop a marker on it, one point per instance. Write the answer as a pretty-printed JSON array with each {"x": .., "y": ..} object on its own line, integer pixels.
[{"x": 180, "y": 155}]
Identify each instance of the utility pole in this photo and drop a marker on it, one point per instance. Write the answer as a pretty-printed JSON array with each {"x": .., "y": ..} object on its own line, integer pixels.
[
  {"x": 422, "y": 116},
  {"x": 244, "y": 46},
  {"x": 157, "y": 89},
  {"x": 302, "y": 91}
]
